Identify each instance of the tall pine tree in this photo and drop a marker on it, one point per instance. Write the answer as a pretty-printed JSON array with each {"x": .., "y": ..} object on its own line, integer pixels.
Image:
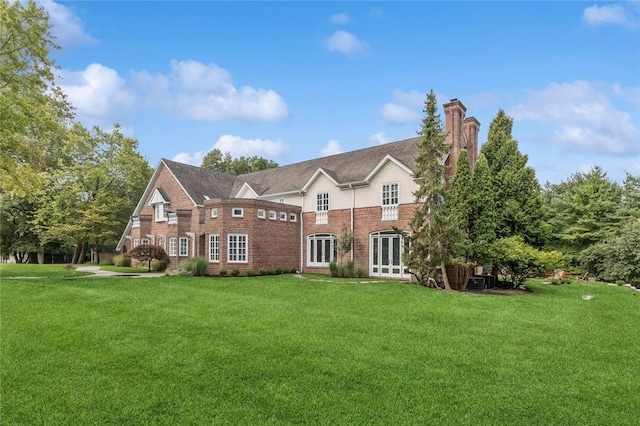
[
  {"x": 428, "y": 240},
  {"x": 516, "y": 191}
]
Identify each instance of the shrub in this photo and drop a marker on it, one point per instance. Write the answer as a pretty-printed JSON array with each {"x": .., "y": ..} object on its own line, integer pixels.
[
  {"x": 620, "y": 282},
  {"x": 235, "y": 272},
  {"x": 333, "y": 268},
  {"x": 121, "y": 260},
  {"x": 196, "y": 266},
  {"x": 360, "y": 272},
  {"x": 249, "y": 272},
  {"x": 107, "y": 262},
  {"x": 159, "y": 265},
  {"x": 223, "y": 272}
]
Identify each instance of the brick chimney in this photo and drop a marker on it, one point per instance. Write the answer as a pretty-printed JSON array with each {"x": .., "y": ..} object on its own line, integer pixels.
[
  {"x": 471, "y": 129},
  {"x": 454, "y": 112}
]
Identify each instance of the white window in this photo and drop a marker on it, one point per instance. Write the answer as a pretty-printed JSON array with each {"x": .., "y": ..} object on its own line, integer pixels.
[
  {"x": 161, "y": 242},
  {"x": 136, "y": 242},
  {"x": 272, "y": 214},
  {"x": 214, "y": 212},
  {"x": 161, "y": 212},
  {"x": 321, "y": 249},
  {"x": 237, "y": 212},
  {"x": 293, "y": 217},
  {"x": 390, "y": 194},
  {"x": 184, "y": 246},
  {"x": 145, "y": 241},
  {"x": 136, "y": 222},
  {"x": 237, "y": 248},
  {"x": 322, "y": 204},
  {"x": 283, "y": 216},
  {"x": 173, "y": 246},
  {"x": 262, "y": 213},
  {"x": 214, "y": 247}
]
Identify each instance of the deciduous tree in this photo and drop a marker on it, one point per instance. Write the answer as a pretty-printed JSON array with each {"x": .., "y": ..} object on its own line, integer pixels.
[{"x": 215, "y": 160}]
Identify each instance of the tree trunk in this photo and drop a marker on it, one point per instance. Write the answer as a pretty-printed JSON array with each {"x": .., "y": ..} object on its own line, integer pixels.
[
  {"x": 33, "y": 257},
  {"x": 83, "y": 253},
  {"x": 445, "y": 279},
  {"x": 76, "y": 255}
]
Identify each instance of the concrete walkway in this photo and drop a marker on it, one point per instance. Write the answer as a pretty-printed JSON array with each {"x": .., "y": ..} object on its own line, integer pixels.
[{"x": 96, "y": 271}]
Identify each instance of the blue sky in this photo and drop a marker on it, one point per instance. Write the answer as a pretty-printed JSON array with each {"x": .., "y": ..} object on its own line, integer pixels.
[{"x": 291, "y": 81}]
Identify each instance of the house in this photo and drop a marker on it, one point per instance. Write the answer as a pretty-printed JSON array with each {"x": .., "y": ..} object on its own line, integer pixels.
[{"x": 290, "y": 217}]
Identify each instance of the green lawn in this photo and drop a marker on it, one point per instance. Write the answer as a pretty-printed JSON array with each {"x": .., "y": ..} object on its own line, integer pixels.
[
  {"x": 285, "y": 350},
  {"x": 12, "y": 270}
]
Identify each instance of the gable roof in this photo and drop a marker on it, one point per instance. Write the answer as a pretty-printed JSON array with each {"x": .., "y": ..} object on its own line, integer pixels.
[
  {"x": 200, "y": 183},
  {"x": 347, "y": 168}
]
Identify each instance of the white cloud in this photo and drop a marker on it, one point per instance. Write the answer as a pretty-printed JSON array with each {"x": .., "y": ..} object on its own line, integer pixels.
[
  {"x": 186, "y": 158},
  {"x": 99, "y": 94},
  {"x": 192, "y": 89},
  {"x": 238, "y": 146},
  {"x": 344, "y": 42},
  {"x": 612, "y": 14},
  {"x": 331, "y": 148},
  {"x": 340, "y": 18},
  {"x": 404, "y": 108},
  {"x": 634, "y": 169},
  {"x": 584, "y": 116},
  {"x": 378, "y": 138},
  {"x": 66, "y": 26}
]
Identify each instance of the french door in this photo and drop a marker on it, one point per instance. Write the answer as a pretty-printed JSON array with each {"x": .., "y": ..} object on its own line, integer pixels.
[{"x": 385, "y": 255}]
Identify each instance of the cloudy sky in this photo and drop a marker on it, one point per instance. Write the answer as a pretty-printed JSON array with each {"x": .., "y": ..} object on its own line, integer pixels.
[{"x": 291, "y": 81}]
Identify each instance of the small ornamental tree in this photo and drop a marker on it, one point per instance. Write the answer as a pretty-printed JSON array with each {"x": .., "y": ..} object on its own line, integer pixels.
[{"x": 148, "y": 252}]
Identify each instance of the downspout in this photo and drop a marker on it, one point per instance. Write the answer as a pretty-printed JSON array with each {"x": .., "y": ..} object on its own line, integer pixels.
[
  {"x": 302, "y": 234},
  {"x": 353, "y": 206}
]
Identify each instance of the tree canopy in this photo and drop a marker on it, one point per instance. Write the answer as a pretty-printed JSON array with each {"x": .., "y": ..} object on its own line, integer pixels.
[{"x": 215, "y": 160}]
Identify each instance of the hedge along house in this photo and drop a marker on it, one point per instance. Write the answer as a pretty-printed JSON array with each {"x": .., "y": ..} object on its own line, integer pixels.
[{"x": 291, "y": 217}]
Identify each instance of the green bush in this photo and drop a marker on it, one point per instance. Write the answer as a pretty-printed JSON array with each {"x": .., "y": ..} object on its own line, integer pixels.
[
  {"x": 222, "y": 272},
  {"x": 159, "y": 265},
  {"x": 235, "y": 272},
  {"x": 333, "y": 268},
  {"x": 107, "y": 262},
  {"x": 249, "y": 272},
  {"x": 360, "y": 272},
  {"x": 196, "y": 266},
  {"x": 620, "y": 282},
  {"x": 122, "y": 260}
]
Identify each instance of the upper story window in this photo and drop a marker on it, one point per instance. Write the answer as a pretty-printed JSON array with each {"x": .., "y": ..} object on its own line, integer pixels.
[
  {"x": 262, "y": 213},
  {"x": 160, "y": 212},
  {"x": 272, "y": 214},
  {"x": 293, "y": 217},
  {"x": 390, "y": 194},
  {"x": 237, "y": 212},
  {"x": 322, "y": 202},
  {"x": 135, "y": 222},
  {"x": 214, "y": 212},
  {"x": 283, "y": 216}
]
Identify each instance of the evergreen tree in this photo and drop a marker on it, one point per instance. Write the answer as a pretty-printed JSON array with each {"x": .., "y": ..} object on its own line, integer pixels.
[
  {"x": 429, "y": 246},
  {"x": 483, "y": 214},
  {"x": 516, "y": 191}
]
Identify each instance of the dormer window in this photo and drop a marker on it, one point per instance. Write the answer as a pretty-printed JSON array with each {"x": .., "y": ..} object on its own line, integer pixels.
[{"x": 159, "y": 201}]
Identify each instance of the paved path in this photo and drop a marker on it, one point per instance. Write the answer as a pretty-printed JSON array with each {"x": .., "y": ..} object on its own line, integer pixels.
[{"x": 96, "y": 271}]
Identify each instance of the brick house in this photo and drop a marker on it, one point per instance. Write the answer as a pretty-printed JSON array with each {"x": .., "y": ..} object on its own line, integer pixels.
[{"x": 290, "y": 217}]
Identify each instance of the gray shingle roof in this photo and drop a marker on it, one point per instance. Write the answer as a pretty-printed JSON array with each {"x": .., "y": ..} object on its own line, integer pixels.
[
  {"x": 348, "y": 167},
  {"x": 199, "y": 182}
]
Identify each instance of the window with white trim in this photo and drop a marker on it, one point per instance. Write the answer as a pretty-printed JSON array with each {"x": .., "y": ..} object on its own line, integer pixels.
[
  {"x": 184, "y": 246},
  {"x": 390, "y": 194},
  {"x": 237, "y": 248},
  {"x": 214, "y": 212},
  {"x": 262, "y": 213},
  {"x": 136, "y": 242},
  {"x": 173, "y": 246},
  {"x": 237, "y": 212},
  {"x": 283, "y": 216},
  {"x": 160, "y": 212},
  {"x": 293, "y": 217},
  {"x": 321, "y": 249},
  {"x": 161, "y": 242},
  {"x": 272, "y": 214},
  {"x": 145, "y": 241},
  {"x": 322, "y": 202},
  {"x": 214, "y": 247}
]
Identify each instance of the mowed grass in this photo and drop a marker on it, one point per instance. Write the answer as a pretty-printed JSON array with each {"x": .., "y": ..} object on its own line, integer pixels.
[
  {"x": 286, "y": 350},
  {"x": 12, "y": 270}
]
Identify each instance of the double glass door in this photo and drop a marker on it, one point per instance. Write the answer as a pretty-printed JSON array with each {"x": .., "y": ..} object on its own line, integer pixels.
[{"x": 386, "y": 255}]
